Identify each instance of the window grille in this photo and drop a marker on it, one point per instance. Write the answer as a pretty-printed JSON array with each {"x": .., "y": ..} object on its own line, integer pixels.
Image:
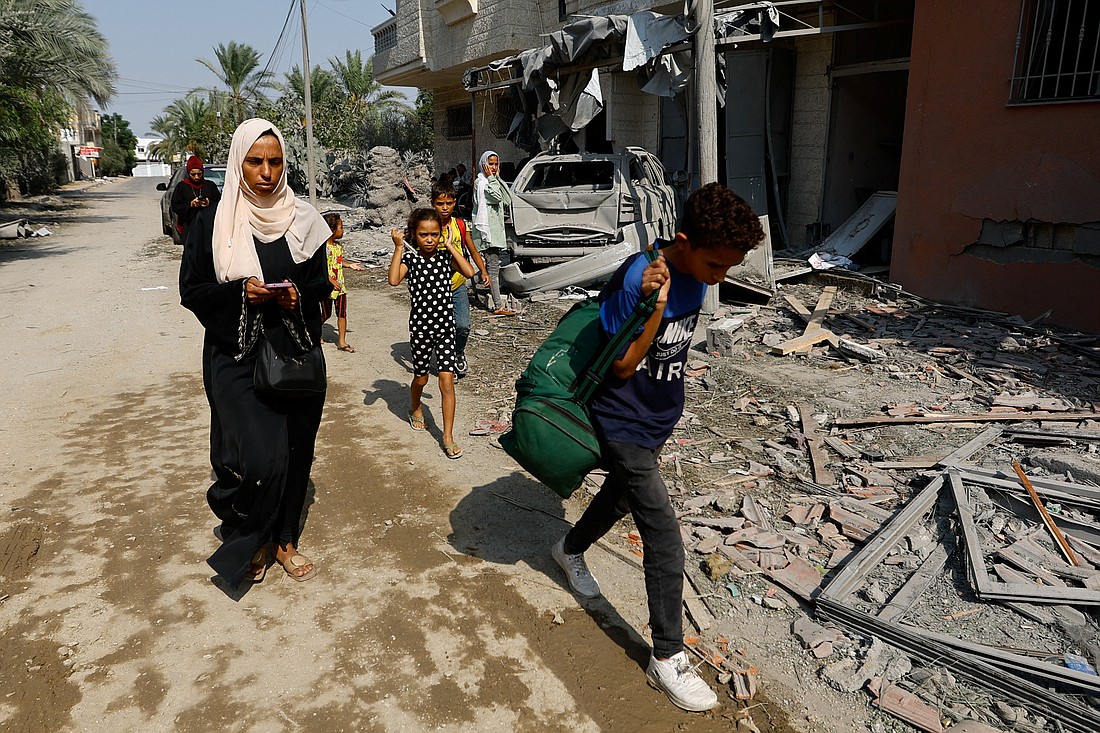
[
  {"x": 385, "y": 38},
  {"x": 1057, "y": 51},
  {"x": 459, "y": 124}
]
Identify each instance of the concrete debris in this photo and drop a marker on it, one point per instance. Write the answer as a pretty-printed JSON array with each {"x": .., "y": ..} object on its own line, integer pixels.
[{"x": 877, "y": 559}]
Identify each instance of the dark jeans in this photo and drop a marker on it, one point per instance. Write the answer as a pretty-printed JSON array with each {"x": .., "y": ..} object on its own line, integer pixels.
[
  {"x": 460, "y": 297},
  {"x": 634, "y": 486}
]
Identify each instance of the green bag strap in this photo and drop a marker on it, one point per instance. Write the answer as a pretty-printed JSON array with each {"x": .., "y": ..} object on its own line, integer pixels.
[{"x": 587, "y": 382}]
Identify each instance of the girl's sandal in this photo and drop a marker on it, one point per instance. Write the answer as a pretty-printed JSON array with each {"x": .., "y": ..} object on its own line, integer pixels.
[
  {"x": 452, "y": 450},
  {"x": 417, "y": 422}
]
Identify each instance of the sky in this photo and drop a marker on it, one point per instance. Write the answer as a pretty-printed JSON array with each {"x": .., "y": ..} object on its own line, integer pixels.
[{"x": 155, "y": 44}]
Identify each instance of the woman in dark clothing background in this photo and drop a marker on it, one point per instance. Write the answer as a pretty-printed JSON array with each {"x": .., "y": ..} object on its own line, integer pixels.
[
  {"x": 193, "y": 193},
  {"x": 261, "y": 447}
]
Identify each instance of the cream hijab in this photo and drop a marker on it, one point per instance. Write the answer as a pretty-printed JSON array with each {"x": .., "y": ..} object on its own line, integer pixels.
[{"x": 242, "y": 214}]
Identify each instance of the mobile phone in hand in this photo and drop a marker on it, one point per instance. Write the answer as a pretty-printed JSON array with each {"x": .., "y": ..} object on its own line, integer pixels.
[{"x": 272, "y": 286}]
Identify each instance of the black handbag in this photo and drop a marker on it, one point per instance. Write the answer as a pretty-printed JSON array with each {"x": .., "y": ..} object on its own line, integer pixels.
[{"x": 299, "y": 376}]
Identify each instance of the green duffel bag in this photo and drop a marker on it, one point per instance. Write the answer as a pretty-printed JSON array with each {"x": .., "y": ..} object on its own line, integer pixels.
[
  {"x": 554, "y": 441},
  {"x": 552, "y": 435}
]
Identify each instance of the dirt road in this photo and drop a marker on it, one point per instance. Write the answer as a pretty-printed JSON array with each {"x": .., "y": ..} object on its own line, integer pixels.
[{"x": 436, "y": 606}]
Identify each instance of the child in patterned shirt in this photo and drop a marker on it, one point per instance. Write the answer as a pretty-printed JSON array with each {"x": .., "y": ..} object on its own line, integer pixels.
[
  {"x": 334, "y": 252},
  {"x": 431, "y": 318}
]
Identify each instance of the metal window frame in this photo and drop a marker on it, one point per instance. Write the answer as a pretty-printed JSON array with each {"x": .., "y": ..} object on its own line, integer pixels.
[{"x": 1031, "y": 35}]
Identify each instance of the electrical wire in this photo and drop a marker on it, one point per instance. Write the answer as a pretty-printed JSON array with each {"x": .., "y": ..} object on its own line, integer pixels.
[
  {"x": 276, "y": 51},
  {"x": 355, "y": 20}
]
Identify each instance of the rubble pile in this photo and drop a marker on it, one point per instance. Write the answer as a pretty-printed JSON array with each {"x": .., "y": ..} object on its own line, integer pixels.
[
  {"x": 392, "y": 190},
  {"x": 855, "y": 461}
]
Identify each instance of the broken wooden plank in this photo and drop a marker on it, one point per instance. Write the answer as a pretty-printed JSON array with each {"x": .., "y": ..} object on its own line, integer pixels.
[
  {"x": 972, "y": 446},
  {"x": 697, "y": 611},
  {"x": 818, "y": 459},
  {"x": 801, "y": 342},
  {"x": 1068, "y": 434},
  {"x": 817, "y": 318},
  {"x": 1063, "y": 545},
  {"x": 851, "y": 524},
  {"x": 851, "y": 348},
  {"x": 908, "y": 594},
  {"x": 951, "y": 417},
  {"x": 858, "y": 566},
  {"x": 842, "y": 448}
]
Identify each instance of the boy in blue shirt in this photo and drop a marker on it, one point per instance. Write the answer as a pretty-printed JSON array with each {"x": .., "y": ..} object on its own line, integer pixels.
[{"x": 637, "y": 408}]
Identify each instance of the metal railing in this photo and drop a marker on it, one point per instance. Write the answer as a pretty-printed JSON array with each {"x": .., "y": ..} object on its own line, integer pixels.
[{"x": 1057, "y": 56}]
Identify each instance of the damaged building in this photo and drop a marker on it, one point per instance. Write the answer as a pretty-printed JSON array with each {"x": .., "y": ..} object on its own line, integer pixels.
[{"x": 964, "y": 134}]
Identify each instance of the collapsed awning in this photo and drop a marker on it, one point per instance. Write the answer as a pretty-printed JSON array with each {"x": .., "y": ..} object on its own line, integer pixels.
[{"x": 556, "y": 87}]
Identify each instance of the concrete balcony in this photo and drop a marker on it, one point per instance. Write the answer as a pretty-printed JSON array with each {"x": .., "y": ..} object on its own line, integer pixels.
[
  {"x": 429, "y": 43},
  {"x": 399, "y": 49}
]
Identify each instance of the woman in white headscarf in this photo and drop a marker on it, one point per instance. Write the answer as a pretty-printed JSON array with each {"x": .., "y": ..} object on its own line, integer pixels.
[
  {"x": 491, "y": 197},
  {"x": 255, "y": 269}
]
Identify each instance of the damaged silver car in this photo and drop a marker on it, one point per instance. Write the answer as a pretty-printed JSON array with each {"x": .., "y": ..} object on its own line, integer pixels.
[{"x": 576, "y": 217}]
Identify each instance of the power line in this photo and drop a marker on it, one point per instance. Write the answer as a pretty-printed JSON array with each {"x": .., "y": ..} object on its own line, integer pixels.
[
  {"x": 356, "y": 20},
  {"x": 276, "y": 50}
]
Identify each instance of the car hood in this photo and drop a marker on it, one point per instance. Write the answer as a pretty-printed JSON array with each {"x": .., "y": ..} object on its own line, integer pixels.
[{"x": 540, "y": 211}]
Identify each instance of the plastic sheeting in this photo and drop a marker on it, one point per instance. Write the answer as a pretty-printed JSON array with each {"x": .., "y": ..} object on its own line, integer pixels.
[{"x": 566, "y": 103}]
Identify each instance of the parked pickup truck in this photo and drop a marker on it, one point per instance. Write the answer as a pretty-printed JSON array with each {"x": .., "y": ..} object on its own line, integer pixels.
[{"x": 576, "y": 217}]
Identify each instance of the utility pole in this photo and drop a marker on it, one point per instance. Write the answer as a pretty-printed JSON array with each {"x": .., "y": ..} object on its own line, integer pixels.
[
  {"x": 706, "y": 111},
  {"x": 311, "y": 172}
]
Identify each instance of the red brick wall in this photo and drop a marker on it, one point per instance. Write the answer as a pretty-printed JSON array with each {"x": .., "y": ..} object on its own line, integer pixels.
[{"x": 968, "y": 156}]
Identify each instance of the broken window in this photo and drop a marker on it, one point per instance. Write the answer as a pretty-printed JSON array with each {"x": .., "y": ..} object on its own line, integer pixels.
[
  {"x": 594, "y": 175},
  {"x": 1057, "y": 51}
]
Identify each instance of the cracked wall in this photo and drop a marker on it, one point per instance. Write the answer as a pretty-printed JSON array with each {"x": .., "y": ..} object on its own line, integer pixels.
[{"x": 998, "y": 204}]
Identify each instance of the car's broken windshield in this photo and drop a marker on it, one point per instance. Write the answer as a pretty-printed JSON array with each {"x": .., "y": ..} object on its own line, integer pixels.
[{"x": 596, "y": 175}]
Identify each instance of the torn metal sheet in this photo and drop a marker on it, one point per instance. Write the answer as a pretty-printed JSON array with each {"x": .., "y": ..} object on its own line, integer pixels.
[
  {"x": 755, "y": 271},
  {"x": 861, "y": 226},
  {"x": 648, "y": 42}
]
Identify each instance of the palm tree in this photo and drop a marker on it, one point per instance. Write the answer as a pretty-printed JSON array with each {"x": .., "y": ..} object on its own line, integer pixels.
[
  {"x": 236, "y": 69},
  {"x": 187, "y": 126},
  {"x": 323, "y": 85},
  {"x": 54, "y": 44},
  {"x": 357, "y": 79}
]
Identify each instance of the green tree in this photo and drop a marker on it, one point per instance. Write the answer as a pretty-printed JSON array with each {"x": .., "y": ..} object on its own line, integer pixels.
[
  {"x": 52, "y": 56},
  {"x": 119, "y": 146},
  {"x": 358, "y": 82},
  {"x": 237, "y": 68},
  {"x": 189, "y": 125}
]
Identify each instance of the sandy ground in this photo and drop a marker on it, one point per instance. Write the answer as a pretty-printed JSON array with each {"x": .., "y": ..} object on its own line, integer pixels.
[{"x": 436, "y": 605}]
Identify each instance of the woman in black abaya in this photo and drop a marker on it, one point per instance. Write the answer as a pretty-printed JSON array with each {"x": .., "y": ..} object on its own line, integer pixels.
[{"x": 261, "y": 447}]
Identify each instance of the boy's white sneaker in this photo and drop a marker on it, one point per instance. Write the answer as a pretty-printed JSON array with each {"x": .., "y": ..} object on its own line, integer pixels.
[
  {"x": 576, "y": 570},
  {"x": 677, "y": 678}
]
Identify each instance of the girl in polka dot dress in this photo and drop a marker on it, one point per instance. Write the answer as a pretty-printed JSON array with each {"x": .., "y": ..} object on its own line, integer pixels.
[{"x": 431, "y": 319}]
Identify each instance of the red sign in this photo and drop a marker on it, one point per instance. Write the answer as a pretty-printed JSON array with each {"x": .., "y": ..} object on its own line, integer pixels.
[{"x": 88, "y": 151}]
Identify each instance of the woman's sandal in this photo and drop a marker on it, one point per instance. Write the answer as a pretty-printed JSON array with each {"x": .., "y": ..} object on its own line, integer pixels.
[
  {"x": 417, "y": 422},
  {"x": 296, "y": 562},
  {"x": 452, "y": 450},
  {"x": 257, "y": 569},
  {"x": 346, "y": 347}
]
